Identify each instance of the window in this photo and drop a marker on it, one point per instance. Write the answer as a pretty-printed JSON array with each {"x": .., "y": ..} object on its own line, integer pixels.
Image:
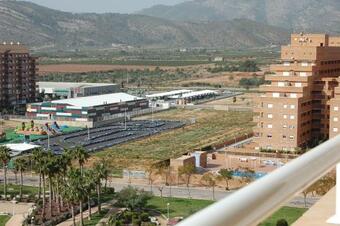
[
  {"x": 286, "y": 73},
  {"x": 291, "y": 127},
  {"x": 285, "y": 106},
  {"x": 280, "y": 84},
  {"x": 335, "y": 119},
  {"x": 303, "y": 74},
  {"x": 276, "y": 94},
  {"x": 298, "y": 84},
  {"x": 286, "y": 63},
  {"x": 270, "y": 105},
  {"x": 270, "y": 126},
  {"x": 269, "y": 136},
  {"x": 336, "y": 108},
  {"x": 304, "y": 64},
  {"x": 291, "y": 137},
  {"x": 284, "y": 126},
  {"x": 292, "y": 106},
  {"x": 270, "y": 115},
  {"x": 335, "y": 129},
  {"x": 293, "y": 95},
  {"x": 285, "y": 116},
  {"x": 284, "y": 136},
  {"x": 292, "y": 117}
]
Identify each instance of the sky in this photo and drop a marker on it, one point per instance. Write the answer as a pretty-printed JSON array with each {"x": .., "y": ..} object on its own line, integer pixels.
[{"x": 102, "y": 6}]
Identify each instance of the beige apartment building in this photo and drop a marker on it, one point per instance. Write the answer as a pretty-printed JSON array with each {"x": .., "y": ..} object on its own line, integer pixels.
[{"x": 301, "y": 104}]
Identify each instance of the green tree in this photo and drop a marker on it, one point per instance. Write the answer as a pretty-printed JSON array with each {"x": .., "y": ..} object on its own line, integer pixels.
[
  {"x": 209, "y": 180},
  {"x": 89, "y": 186},
  {"x": 99, "y": 174},
  {"x": 226, "y": 175},
  {"x": 37, "y": 156},
  {"x": 187, "y": 171},
  {"x": 5, "y": 158},
  {"x": 81, "y": 155},
  {"x": 21, "y": 165},
  {"x": 282, "y": 222},
  {"x": 133, "y": 198}
]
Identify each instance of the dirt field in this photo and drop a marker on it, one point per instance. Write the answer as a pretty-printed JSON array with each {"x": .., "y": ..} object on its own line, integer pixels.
[{"x": 245, "y": 100}]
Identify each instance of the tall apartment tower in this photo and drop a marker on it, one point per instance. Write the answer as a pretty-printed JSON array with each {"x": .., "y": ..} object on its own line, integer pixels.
[
  {"x": 17, "y": 76},
  {"x": 295, "y": 107}
]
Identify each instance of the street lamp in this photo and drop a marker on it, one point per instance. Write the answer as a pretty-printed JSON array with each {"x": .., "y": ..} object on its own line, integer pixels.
[{"x": 168, "y": 207}]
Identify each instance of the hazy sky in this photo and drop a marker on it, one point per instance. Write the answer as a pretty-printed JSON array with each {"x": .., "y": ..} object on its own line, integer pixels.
[{"x": 100, "y": 6}]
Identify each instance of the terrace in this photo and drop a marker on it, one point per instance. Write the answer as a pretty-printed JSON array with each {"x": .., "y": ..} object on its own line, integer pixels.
[{"x": 252, "y": 204}]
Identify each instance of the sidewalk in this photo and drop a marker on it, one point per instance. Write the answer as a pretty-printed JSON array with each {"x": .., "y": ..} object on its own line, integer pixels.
[{"x": 94, "y": 210}]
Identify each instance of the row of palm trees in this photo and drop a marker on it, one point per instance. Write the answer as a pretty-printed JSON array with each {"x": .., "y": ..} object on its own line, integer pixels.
[{"x": 68, "y": 186}]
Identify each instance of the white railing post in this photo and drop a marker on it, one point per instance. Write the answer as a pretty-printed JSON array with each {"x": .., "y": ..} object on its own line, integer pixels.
[{"x": 336, "y": 218}]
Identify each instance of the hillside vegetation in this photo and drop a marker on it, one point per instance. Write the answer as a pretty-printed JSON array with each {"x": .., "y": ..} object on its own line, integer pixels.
[{"x": 42, "y": 27}]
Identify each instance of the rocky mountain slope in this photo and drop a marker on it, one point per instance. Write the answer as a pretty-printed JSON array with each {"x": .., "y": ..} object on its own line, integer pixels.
[
  {"x": 40, "y": 26},
  {"x": 296, "y": 15}
]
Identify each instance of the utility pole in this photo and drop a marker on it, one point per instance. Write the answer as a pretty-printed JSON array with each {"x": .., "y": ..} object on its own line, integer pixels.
[{"x": 125, "y": 120}]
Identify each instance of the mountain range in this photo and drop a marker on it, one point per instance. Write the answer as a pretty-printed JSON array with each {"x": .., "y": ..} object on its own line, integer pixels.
[
  {"x": 39, "y": 26},
  {"x": 295, "y": 15}
]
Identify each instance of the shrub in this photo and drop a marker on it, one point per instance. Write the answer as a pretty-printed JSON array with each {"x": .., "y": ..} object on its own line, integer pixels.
[
  {"x": 144, "y": 217},
  {"x": 282, "y": 222}
]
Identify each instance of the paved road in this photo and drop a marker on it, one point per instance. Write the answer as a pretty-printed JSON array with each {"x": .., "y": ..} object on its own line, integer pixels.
[{"x": 175, "y": 191}]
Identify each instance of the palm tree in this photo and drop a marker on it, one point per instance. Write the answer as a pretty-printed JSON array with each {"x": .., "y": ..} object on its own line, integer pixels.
[
  {"x": 37, "y": 156},
  {"x": 4, "y": 158},
  {"x": 20, "y": 165},
  {"x": 75, "y": 183},
  {"x": 99, "y": 174},
  {"x": 89, "y": 186},
  {"x": 81, "y": 155},
  {"x": 51, "y": 170}
]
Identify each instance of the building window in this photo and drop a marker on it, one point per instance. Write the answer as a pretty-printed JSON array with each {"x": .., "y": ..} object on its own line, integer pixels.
[
  {"x": 285, "y": 116},
  {"x": 276, "y": 94},
  {"x": 286, "y": 73},
  {"x": 291, "y": 137},
  {"x": 304, "y": 64},
  {"x": 284, "y": 136},
  {"x": 336, "y": 108},
  {"x": 284, "y": 126},
  {"x": 270, "y": 115},
  {"x": 280, "y": 84},
  {"x": 269, "y": 136},
  {"x": 293, "y": 95},
  {"x": 286, "y": 63},
  {"x": 270, "y": 105},
  {"x": 270, "y": 126},
  {"x": 298, "y": 84},
  {"x": 303, "y": 74},
  {"x": 335, "y": 129},
  {"x": 292, "y": 106},
  {"x": 292, "y": 117},
  {"x": 285, "y": 106},
  {"x": 291, "y": 127},
  {"x": 335, "y": 119}
]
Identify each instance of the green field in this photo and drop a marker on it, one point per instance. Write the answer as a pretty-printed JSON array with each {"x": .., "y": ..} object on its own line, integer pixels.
[
  {"x": 290, "y": 214},
  {"x": 211, "y": 127},
  {"x": 96, "y": 218},
  {"x": 4, "y": 219},
  {"x": 178, "y": 207}
]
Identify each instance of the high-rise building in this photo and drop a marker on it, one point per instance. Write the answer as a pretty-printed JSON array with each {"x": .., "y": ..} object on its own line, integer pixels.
[
  {"x": 17, "y": 76},
  {"x": 297, "y": 103}
]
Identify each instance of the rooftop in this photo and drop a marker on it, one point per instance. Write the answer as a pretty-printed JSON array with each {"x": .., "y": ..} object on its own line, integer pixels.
[
  {"x": 68, "y": 85},
  {"x": 195, "y": 94},
  {"x": 98, "y": 100},
  {"x": 17, "y": 149},
  {"x": 170, "y": 93},
  {"x": 13, "y": 47}
]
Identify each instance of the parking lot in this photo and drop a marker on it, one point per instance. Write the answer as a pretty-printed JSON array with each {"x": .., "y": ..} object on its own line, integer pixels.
[{"x": 107, "y": 136}]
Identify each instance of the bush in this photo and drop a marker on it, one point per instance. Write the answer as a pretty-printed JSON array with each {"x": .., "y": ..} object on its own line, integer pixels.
[
  {"x": 282, "y": 222},
  {"x": 132, "y": 198},
  {"x": 251, "y": 82},
  {"x": 144, "y": 217}
]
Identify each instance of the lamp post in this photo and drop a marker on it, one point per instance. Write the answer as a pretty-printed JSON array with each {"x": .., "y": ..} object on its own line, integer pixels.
[{"x": 168, "y": 208}]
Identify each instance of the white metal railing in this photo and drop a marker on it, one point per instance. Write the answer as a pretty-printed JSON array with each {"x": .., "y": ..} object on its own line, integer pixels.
[{"x": 250, "y": 205}]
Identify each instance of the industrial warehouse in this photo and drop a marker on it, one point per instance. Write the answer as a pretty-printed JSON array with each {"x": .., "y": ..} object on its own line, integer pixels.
[
  {"x": 87, "y": 109},
  {"x": 73, "y": 90}
]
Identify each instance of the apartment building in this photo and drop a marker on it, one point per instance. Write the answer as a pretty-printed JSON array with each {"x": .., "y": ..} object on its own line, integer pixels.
[
  {"x": 17, "y": 76},
  {"x": 297, "y": 104}
]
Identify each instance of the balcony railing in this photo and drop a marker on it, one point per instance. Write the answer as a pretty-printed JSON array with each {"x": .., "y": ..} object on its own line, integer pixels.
[{"x": 250, "y": 205}]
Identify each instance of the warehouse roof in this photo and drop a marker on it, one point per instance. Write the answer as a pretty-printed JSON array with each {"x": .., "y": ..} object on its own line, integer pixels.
[
  {"x": 17, "y": 149},
  {"x": 98, "y": 100},
  {"x": 195, "y": 94},
  {"x": 68, "y": 85},
  {"x": 170, "y": 93}
]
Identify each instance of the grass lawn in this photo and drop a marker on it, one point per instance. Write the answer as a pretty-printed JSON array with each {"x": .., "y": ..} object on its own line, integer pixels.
[
  {"x": 178, "y": 207},
  {"x": 211, "y": 127},
  {"x": 26, "y": 190},
  {"x": 96, "y": 218},
  {"x": 4, "y": 219},
  {"x": 290, "y": 214}
]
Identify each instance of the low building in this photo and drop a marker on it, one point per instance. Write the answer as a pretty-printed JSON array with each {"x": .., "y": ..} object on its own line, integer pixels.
[
  {"x": 201, "y": 158},
  {"x": 73, "y": 90},
  {"x": 182, "y": 161},
  {"x": 87, "y": 109},
  {"x": 188, "y": 98},
  {"x": 167, "y": 95}
]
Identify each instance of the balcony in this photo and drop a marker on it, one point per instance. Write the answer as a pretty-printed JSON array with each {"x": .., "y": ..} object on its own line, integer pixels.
[
  {"x": 251, "y": 204},
  {"x": 292, "y": 67},
  {"x": 280, "y": 89},
  {"x": 293, "y": 78}
]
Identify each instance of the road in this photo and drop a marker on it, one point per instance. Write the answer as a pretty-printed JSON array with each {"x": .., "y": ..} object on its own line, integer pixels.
[{"x": 175, "y": 191}]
